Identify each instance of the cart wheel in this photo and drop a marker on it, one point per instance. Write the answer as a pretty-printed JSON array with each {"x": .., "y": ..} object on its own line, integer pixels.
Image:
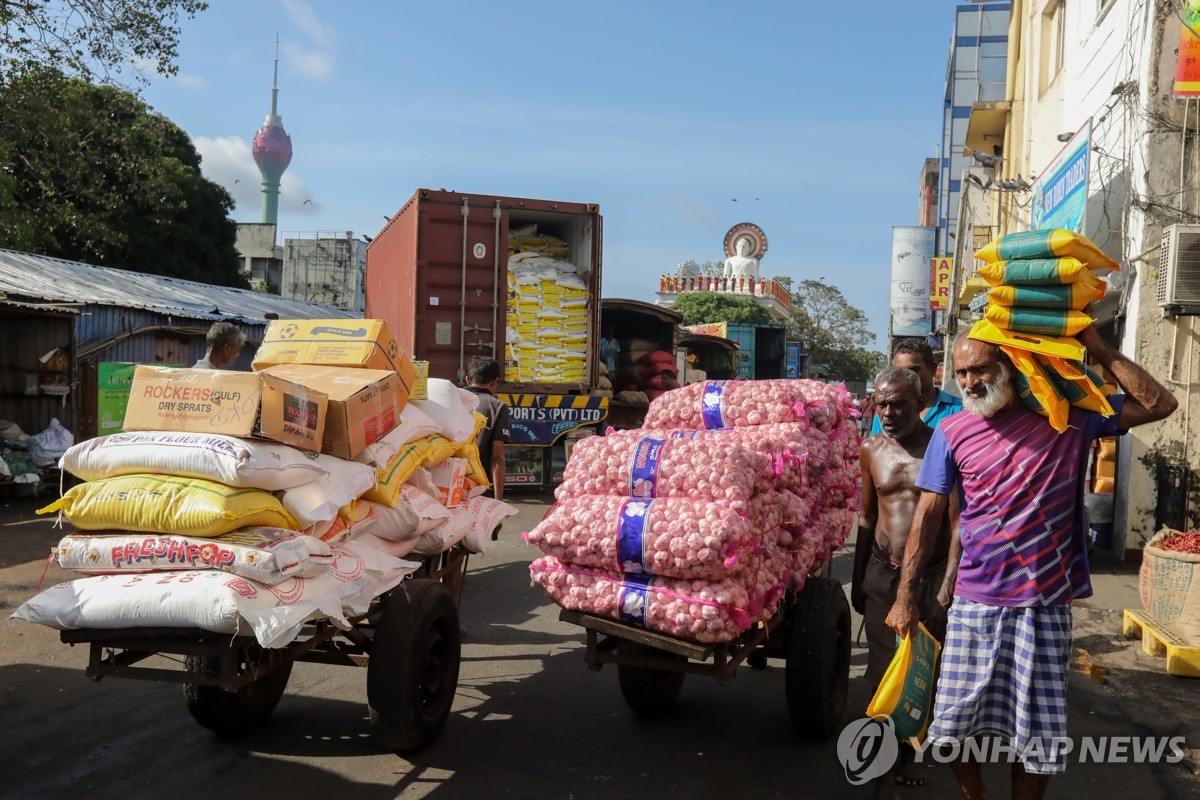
[
  {"x": 649, "y": 692},
  {"x": 230, "y": 714},
  {"x": 413, "y": 671},
  {"x": 818, "y": 659}
]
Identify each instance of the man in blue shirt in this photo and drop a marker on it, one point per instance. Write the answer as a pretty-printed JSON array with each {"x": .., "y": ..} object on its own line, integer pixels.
[{"x": 936, "y": 405}]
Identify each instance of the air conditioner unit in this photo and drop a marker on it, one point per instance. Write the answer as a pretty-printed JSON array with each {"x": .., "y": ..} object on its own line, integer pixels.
[{"x": 1179, "y": 267}]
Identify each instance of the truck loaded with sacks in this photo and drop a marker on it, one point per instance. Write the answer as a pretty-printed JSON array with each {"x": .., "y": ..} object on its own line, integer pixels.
[{"x": 458, "y": 275}]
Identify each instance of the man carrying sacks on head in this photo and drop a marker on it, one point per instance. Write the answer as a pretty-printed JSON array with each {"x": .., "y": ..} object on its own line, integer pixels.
[{"x": 1024, "y": 560}]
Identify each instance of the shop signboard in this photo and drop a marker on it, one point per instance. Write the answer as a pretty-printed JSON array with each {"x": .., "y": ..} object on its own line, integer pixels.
[{"x": 1059, "y": 195}]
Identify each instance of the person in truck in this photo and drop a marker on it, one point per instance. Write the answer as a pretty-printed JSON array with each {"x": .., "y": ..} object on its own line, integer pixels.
[
  {"x": 483, "y": 376},
  {"x": 224, "y": 342}
]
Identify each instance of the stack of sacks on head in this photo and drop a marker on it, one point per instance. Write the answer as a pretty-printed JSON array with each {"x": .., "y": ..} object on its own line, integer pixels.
[
  {"x": 646, "y": 369},
  {"x": 547, "y": 315},
  {"x": 200, "y": 529},
  {"x": 1041, "y": 283},
  {"x": 697, "y": 524}
]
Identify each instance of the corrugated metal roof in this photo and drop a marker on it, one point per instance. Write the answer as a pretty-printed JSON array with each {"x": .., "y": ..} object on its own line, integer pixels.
[{"x": 24, "y": 276}]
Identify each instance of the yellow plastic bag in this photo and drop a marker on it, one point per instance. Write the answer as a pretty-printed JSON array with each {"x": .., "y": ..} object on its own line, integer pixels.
[
  {"x": 167, "y": 504},
  {"x": 1072, "y": 296},
  {"x": 1035, "y": 388},
  {"x": 906, "y": 691},
  {"x": 397, "y": 471},
  {"x": 1082, "y": 387},
  {"x": 470, "y": 451},
  {"x": 1039, "y": 272},
  {"x": 1048, "y": 243}
]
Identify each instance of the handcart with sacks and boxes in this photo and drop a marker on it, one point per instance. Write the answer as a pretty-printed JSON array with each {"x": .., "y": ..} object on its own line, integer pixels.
[{"x": 242, "y": 522}]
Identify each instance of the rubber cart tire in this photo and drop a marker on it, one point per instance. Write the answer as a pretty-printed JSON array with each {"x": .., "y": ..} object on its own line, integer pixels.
[
  {"x": 649, "y": 692},
  {"x": 818, "y": 660},
  {"x": 230, "y": 714},
  {"x": 412, "y": 675}
]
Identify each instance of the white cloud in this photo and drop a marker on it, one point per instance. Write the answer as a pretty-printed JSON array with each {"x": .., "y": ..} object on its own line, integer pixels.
[
  {"x": 314, "y": 63},
  {"x": 193, "y": 82},
  {"x": 228, "y": 161},
  {"x": 323, "y": 35}
]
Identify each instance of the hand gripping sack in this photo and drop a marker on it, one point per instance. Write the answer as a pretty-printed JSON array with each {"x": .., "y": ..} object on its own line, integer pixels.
[
  {"x": 906, "y": 691},
  {"x": 163, "y": 503}
]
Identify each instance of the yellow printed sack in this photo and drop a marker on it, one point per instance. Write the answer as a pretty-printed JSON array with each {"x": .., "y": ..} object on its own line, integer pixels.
[
  {"x": 1048, "y": 243},
  {"x": 397, "y": 471},
  {"x": 906, "y": 690},
  {"x": 1072, "y": 295},
  {"x": 470, "y": 451},
  {"x": 440, "y": 448},
  {"x": 1036, "y": 390},
  {"x": 1056, "y": 322},
  {"x": 167, "y": 504}
]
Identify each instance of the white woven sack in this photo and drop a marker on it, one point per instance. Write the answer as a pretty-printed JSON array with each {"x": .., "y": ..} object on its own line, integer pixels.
[{"x": 319, "y": 500}]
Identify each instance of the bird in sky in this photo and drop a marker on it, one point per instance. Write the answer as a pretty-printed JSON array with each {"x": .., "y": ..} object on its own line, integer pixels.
[{"x": 306, "y": 202}]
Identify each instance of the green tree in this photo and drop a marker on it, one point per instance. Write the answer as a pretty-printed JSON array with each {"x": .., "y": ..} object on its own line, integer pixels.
[
  {"x": 92, "y": 39},
  {"x": 699, "y": 308},
  {"x": 92, "y": 174},
  {"x": 833, "y": 332}
]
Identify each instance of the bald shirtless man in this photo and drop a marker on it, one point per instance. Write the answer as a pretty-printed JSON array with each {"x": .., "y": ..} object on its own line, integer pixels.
[{"x": 890, "y": 463}]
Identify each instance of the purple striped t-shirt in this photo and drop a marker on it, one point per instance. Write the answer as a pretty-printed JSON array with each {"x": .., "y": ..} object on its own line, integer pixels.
[{"x": 1022, "y": 518}]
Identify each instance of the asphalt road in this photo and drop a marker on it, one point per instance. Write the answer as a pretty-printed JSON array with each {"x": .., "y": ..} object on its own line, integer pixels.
[{"x": 529, "y": 719}]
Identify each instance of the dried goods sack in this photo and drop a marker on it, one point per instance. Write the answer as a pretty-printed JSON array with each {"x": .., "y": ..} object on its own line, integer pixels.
[
  {"x": 220, "y": 602},
  {"x": 728, "y": 404},
  {"x": 1071, "y": 296},
  {"x": 439, "y": 449},
  {"x": 487, "y": 516},
  {"x": 1169, "y": 583},
  {"x": 266, "y": 555},
  {"x": 645, "y": 467},
  {"x": 390, "y": 479},
  {"x": 352, "y": 519},
  {"x": 677, "y": 537},
  {"x": 443, "y": 537},
  {"x": 450, "y": 408},
  {"x": 320, "y": 500},
  {"x": 1048, "y": 243},
  {"x": 702, "y": 611},
  {"x": 469, "y": 451},
  {"x": 1041, "y": 321},
  {"x": 414, "y": 515},
  {"x": 1040, "y": 272},
  {"x": 155, "y": 503},
  {"x": 414, "y": 424},
  {"x": 234, "y": 462}
]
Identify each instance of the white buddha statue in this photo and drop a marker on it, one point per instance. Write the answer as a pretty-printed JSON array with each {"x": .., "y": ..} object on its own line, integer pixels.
[{"x": 741, "y": 265}]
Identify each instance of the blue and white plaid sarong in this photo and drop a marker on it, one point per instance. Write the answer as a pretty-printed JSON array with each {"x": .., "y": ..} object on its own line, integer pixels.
[{"x": 1004, "y": 672}]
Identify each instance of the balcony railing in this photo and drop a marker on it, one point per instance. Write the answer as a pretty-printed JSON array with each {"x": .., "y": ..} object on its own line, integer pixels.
[{"x": 674, "y": 284}]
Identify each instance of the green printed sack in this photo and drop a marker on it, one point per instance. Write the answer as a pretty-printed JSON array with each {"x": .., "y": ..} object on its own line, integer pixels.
[
  {"x": 1050, "y": 243},
  {"x": 1043, "y": 321},
  {"x": 1038, "y": 272},
  {"x": 1073, "y": 296}
]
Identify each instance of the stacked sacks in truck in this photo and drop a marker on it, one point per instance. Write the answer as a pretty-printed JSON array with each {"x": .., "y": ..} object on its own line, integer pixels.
[
  {"x": 690, "y": 532},
  {"x": 1042, "y": 282}
]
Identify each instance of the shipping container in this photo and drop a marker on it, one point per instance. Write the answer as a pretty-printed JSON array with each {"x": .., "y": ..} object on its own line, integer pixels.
[
  {"x": 762, "y": 349},
  {"x": 438, "y": 274}
]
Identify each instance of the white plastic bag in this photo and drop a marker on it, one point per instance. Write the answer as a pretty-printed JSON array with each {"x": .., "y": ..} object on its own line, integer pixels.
[
  {"x": 48, "y": 447},
  {"x": 449, "y": 407}
]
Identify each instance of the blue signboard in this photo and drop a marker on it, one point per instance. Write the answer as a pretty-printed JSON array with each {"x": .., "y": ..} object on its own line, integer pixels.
[
  {"x": 540, "y": 419},
  {"x": 1060, "y": 193}
]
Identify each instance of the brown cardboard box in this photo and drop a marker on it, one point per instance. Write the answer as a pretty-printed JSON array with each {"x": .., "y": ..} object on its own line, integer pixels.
[
  {"x": 193, "y": 400},
  {"x": 362, "y": 404},
  {"x": 293, "y": 413},
  {"x": 361, "y": 343}
]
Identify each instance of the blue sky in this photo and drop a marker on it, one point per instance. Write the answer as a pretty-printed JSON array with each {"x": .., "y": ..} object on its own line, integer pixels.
[{"x": 816, "y": 117}]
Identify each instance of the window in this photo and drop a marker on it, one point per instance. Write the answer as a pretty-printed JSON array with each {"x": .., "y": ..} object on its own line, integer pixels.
[{"x": 1052, "y": 44}]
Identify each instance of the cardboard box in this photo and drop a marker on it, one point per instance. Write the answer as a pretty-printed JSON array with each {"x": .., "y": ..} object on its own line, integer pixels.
[
  {"x": 449, "y": 477},
  {"x": 362, "y": 404},
  {"x": 359, "y": 343},
  {"x": 420, "y": 387},
  {"x": 293, "y": 413},
  {"x": 193, "y": 400}
]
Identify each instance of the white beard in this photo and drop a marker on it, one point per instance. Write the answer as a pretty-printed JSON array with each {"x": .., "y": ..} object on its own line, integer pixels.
[{"x": 999, "y": 393}]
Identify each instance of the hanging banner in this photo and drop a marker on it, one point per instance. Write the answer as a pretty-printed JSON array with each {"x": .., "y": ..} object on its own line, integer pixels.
[
  {"x": 1187, "y": 63},
  {"x": 939, "y": 282},
  {"x": 912, "y": 250},
  {"x": 112, "y": 382},
  {"x": 1060, "y": 193}
]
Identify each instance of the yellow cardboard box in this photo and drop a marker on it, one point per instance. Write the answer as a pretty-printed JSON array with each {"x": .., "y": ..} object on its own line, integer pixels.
[
  {"x": 193, "y": 400},
  {"x": 362, "y": 404},
  {"x": 360, "y": 343}
]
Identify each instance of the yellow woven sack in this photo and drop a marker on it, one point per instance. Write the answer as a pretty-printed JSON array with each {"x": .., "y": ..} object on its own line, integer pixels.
[
  {"x": 397, "y": 471},
  {"x": 1082, "y": 387},
  {"x": 1049, "y": 243},
  {"x": 1073, "y": 296},
  {"x": 1041, "y": 321},
  {"x": 1062, "y": 346},
  {"x": 440, "y": 448},
  {"x": 470, "y": 451},
  {"x": 906, "y": 690},
  {"x": 167, "y": 504}
]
